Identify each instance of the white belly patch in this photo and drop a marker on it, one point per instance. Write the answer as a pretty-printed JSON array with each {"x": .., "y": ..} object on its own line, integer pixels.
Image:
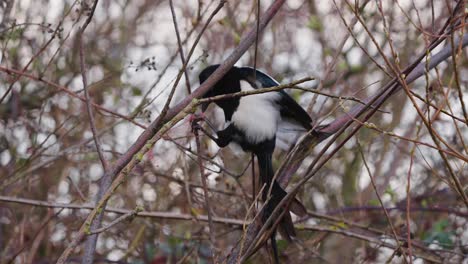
[{"x": 257, "y": 115}]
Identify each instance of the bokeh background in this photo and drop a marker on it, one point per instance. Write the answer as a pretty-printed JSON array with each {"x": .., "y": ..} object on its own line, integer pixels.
[{"x": 47, "y": 153}]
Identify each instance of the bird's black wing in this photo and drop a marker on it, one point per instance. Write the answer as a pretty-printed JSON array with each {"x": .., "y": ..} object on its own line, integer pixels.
[
  {"x": 293, "y": 111},
  {"x": 289, "y": 109}
]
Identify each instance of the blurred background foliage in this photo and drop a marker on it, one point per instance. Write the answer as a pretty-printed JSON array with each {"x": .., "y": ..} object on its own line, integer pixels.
[{"x": 47, "y": 152}]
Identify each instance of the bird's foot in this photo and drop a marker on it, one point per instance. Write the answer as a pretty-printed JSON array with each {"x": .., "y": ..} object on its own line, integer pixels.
[{"x": 194, "y": 119}]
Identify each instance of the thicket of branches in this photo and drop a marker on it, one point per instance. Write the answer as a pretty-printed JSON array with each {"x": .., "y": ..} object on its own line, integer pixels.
[{"x": 98, "y": 162}]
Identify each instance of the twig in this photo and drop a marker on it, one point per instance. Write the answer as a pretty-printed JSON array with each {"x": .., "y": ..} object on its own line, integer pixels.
[
  {"x": 88, "y": 100},
  {"x": 362, "y": 233},
  {"x": 408, "y": 205},
  {"x": 144, "y": 102},
  {"x": 403, "y": 83},
  {"x": 179, "y": 43},
  {"x": 162, "y": 124},
  {"x": 118, "y": 220},
  {"x": 17, "y": 175},
  {"x": 295, "y": 158},
  {"x": 67, "y": 91},
  {"x": 415, "y": 141},
  {"x": 154, "y": 214},
  {"x": 374, "y": 186},
  {"x": 207, "y": 197},
  {"x": 446, "y": 210},
  {"x": 38, "y": 231},
  {"x": 90, "y": 245},
  {"x": 379, "y": 241},
  {"x": 331, "y": 66},
  {"x": 255, "y": 91},
  {"x": 456, "y": 54},
  {"x": 438, "y": 109},
  {"x": 41, "y": 50}
]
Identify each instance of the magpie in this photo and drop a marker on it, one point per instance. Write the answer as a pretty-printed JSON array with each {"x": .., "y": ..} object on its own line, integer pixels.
[{"x": 252, "y": 122}]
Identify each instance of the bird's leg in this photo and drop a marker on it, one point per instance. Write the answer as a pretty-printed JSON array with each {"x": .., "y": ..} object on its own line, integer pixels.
[
  {"x": 224, "y": 137},
  {"x": 201, "y": 117},
  {"x": 194, "y": 119},
  {"x": 196, "y": 126},
  {"x": 209, "y": 124}
]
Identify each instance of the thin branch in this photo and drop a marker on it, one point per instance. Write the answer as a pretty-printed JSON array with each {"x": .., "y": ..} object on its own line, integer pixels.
[
  {"x": 179, "y": 43},
  {"x": 206, "y": 195},
  {"x": 57, "y": 31},
  {"x": 120, "y": 219},
  {"x": 374, "y": 186},
  {"x": 46, "y": 221},
  {"x": 340, "y": 226},
  {"x": 295, "y": 158},
  {"x": 456, "y": 55},
  {"x": 154, "y": 214},
  {"x": 162, "y": 124},
  {"x": 429, "y": 209},
  {"x": 144, "y": 102},
  {"x": 403, "y": 83},
  {"x": 372, "y": 126},
  {"x": 178, "y": 216},
  {"x": 67, "y": 91},
  {"x": 90, "y": 245},
  {"x": 255, "y": 91},
  {"x": 408, "y": 205},
  {"x": 88, "y": 100}
]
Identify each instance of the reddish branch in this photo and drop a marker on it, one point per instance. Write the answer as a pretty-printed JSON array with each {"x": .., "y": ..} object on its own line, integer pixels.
[
  {"x": 120, "y": 169},
  {"x": 337, "y": 128},
  {"x": 206, "y": 195},
  {"x": 149, "y": 137},
  {"x": 69, "y": 92},
  {"x": 41, "y": 50},
  {"x": 90, "y": 245},
  {"x": 330, "y": 224}
]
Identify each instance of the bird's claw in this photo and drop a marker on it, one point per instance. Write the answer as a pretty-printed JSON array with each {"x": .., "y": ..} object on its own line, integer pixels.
[
  {"x": 195, "y": 127},
  {"x": 194, "y": 119}
]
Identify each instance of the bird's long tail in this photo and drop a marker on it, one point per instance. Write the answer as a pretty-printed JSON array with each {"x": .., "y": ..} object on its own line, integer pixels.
[{"x": 272, "y": 199}]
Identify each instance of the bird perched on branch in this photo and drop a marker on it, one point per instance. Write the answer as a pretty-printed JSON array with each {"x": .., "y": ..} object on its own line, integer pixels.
[{"x": 252, "y": 122}]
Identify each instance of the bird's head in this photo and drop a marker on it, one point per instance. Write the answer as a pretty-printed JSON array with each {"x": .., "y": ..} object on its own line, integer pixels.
[{"x": 228, "y": 84}]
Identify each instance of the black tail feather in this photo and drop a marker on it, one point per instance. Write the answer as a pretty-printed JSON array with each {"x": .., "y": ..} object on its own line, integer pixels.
[
  {"x": 285, "y": 226},
  {"x": 274, "y": 246}
]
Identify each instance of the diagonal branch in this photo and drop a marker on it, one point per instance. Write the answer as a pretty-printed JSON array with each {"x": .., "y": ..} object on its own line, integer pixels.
[
  {"x": 90, "y": 245},
  {"x": 337, "y": 127},
  {"x": 162, "y": 124},
  {"x": 179, "y": 43}
]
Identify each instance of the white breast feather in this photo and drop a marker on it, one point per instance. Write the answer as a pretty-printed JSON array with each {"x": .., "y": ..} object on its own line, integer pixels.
[{"x": 257, "y": 115}]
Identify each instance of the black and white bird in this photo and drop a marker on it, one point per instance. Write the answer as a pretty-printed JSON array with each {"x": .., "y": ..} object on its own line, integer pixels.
[{"x": 252, "y": 122}]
